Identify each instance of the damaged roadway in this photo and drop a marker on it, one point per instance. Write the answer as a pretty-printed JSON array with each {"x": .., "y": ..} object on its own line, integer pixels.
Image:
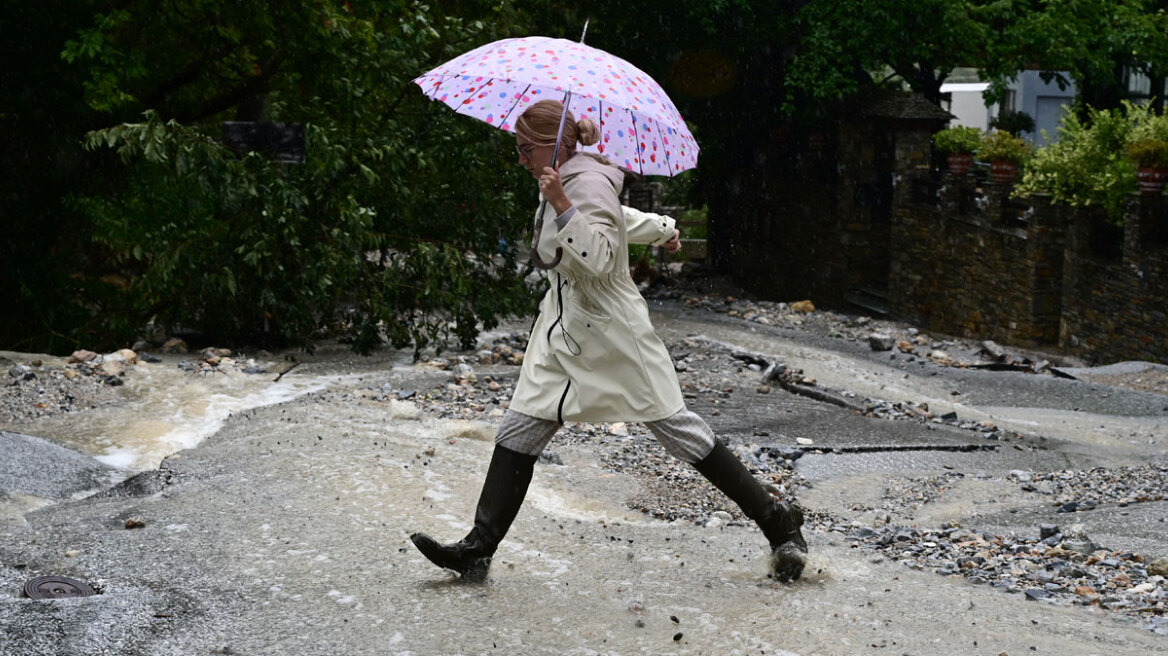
[{"x": 286, "y": 532}]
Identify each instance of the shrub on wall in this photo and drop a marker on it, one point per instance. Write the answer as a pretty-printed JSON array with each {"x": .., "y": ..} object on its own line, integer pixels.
[{"x": 1087, "y": 166}]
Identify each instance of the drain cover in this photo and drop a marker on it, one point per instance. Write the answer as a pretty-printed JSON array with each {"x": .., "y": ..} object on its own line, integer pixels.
[{"x": 56, "y": 587}]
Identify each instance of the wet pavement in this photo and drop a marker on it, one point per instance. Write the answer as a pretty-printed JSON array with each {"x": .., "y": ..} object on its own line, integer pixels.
[{"x": 286, "y": 531}]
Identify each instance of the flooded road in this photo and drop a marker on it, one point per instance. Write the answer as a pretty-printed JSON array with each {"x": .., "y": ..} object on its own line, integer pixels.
[{"x": 285, "y": 530}]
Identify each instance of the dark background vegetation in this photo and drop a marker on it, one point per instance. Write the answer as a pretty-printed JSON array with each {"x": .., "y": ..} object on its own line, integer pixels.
[{"x": 124, "y": 214}]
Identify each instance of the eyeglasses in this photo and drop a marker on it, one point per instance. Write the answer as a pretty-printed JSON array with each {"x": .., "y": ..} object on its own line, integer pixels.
[{"x": 526, "y": 149}]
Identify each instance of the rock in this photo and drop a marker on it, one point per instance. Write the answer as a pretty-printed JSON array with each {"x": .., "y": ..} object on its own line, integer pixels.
[
  {"x": 1158, "y": 567},
  {"x": 805, "y": 307},
  {"x": 805, "y": 441},
  {"x": 174, "y": 345},
  {"x": 881, "y": 342},
  {"x": 134, "y": 522},
  {"x": 127, "y": 356},
  {"x": 905, "y": 346},
  {"x": 112, "y": 367},
  {"x": 992, "y": 349},
  {"x": 81, "y": 356},
  {"x": 619, "y": 428}
]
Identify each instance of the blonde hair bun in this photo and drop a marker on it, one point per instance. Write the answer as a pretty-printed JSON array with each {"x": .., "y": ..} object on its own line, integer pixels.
[{"x": 588, "y": 132}]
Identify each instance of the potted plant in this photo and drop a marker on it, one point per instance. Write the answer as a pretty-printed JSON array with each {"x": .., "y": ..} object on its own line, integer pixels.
[
  {"x": 1006, "y": 153},
  {"x": 959, "y": 144},
  {"x": 1147, "y": 148},
  {"x": 1151, "y": 159}
]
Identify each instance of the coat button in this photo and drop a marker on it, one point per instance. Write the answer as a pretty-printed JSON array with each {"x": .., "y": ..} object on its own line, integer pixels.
[
  {"x": 569, "y": 240},
  {"x": 584, "y": 254}
]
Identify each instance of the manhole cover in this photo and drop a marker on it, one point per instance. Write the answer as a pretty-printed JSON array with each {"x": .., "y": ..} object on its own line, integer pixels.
[{"x": 56, "y": 587}]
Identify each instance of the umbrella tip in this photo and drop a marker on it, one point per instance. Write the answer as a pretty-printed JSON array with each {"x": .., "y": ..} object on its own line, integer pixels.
[{"x": 585, "y": 32}]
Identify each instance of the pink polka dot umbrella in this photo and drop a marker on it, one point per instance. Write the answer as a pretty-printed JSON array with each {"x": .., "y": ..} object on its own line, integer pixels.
[{"x": 640, "y": 128}]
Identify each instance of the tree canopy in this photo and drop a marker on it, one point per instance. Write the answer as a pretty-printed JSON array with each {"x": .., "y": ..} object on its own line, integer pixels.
[{"x": 159, "y": 221}]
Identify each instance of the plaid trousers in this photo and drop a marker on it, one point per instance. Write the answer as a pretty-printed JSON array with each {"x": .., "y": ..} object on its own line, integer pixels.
[{"x": 684, "y": 435}]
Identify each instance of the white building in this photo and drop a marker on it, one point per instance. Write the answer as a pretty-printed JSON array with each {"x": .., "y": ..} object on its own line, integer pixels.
[{"x": 1028, "y": 93}]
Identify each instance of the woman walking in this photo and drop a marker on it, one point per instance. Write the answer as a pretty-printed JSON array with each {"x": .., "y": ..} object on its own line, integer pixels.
[{"x": 593, "y": 355}]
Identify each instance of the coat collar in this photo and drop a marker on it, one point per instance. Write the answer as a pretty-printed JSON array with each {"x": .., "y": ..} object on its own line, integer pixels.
[{"x": 581, "y": 163}]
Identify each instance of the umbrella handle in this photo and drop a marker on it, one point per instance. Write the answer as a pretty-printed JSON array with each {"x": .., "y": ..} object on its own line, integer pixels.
[{"x": 535, "y": 258}]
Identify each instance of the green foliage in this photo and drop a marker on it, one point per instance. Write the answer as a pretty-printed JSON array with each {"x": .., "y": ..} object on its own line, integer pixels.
[
  {"x": 957, "y": 139},
  {"x": 1148, "y": 153},
  {"x": 1086, "y": 166},
  {"x": 840, "y": 41},
  {"x": 1001, "y": 146},
  {"x": 1089, "y": 42},
  {"x": 697, "y": 223},
  {"x": 1014, "y": 122},
  {"x": 392, "y": 229},
  {"x": 1147, "y": 144}
]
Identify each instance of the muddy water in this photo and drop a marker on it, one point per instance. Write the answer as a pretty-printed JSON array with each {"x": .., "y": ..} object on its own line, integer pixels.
[
  {"x": 578, "y": 573},
  {"x": 167, "y": 410}
]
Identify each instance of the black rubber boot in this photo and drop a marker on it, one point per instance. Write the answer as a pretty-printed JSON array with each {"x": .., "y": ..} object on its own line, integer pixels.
[
  {"x": 508, "y": 476},
  {"x": 779, "y": 521}
]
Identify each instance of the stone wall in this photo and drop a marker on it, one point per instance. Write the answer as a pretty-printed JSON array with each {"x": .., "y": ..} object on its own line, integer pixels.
[
  {"x": 967, "y": 260},
  {"x": 975, "y": 263},
  {"x": 1115, "y": 303},
  {"x": 866, "y": 221}
]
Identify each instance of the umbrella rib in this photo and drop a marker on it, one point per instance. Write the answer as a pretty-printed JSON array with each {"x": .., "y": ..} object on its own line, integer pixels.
[
  {"x": 471, "y": 94},
  {"x": 665, "y": 152},
  {"x": 637, "y": 144},
  {"x": 519, "y": 96}
]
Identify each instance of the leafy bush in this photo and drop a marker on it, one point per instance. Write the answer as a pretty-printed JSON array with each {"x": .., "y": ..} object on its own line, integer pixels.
[
  {"x": 1149, "y": 153},
  {"x": 400, "y": 226},
  {"x": 1086, "y": 167},
  {"x": 957, "y": 139},
  {"x": 999, "y": 146},
  {"x": 1148, "y": 140}
]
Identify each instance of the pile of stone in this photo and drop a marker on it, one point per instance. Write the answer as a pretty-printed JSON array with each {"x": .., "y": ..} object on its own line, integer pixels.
[
  {"x": 214, "y": 360},
  {"x": 1054, "y": 566},
  {"x": 1081, "y": 490},
  {"x": 35, "y": 389}
]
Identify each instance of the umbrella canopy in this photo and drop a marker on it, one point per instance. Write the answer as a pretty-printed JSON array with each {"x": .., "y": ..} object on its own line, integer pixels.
[{"x": 640, "y": 128}]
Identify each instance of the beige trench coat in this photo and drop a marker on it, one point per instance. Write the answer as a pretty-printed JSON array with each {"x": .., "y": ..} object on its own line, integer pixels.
[{"x": 592, "y": 355}]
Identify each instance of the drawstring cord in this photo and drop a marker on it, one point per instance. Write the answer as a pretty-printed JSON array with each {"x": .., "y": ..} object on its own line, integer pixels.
[{"x": 569, "y": 341}]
